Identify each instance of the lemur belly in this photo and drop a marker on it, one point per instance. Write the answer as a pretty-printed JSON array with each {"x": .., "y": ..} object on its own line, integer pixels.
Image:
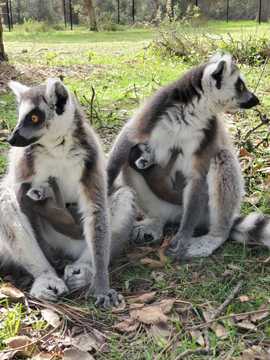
[{"x": 67, "y": 169}]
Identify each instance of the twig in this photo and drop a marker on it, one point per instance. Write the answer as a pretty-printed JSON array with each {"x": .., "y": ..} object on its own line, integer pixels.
[
  {"x": 261, "y": 75},
  {"x": 91, "y": 104},
  {"x": 29, "y": 344},
  {"x": 225, "y": 317},
  {"x": 229, "y": 299},
  {"x": 187, "y": 353}
]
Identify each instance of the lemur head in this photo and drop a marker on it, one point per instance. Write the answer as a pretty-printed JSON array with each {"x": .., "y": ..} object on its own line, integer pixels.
[
  {"x": 44, "y": 112},
  {"x": 225, "y": 87}
]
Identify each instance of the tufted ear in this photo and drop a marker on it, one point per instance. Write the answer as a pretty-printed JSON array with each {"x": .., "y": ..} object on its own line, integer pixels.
[
  {"x": 18, "y": 89},
  {"x": 56, "y": 94},
  {"x": 218, "y": 73}
]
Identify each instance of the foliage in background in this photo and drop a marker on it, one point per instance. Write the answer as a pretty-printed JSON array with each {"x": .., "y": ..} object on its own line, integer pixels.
[{"x": 195, "y": 46}]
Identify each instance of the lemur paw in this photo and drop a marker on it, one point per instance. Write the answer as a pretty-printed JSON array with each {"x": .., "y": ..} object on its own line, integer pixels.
[
  {"x": 109, "y": 299},
  {"x": 78, "y": 276},
  {"x": 38, "y": 193},
  {"x": 147, "y": 231},
  {"x": 177, "y": 249},
  {"x": 48, "y": 287}
]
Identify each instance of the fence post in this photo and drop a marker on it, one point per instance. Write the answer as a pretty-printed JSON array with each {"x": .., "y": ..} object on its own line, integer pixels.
[
  {"x": 118, "y": 11},
  {"x": 133, "y": 11},
  {"x": 260, "y": 11},
  {"x": 65, "y": 13},
  {"x": 227, "y": 13},
  {"x": 70, "y": 15},
  {"x": 8, "y": 15}
]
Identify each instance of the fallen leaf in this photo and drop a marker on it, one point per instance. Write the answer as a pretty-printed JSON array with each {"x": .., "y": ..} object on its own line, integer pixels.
[
  {"x": 143, "y": 298},
  {"x": 75, "y": 354},
  {"x": 51, "y": 317},
  {"x": 136, "y": 306},
  {"x": 161, "y": 333},
  {"x": 11, "y": 292},
  {"x": 219, "y": 330},
  {"x": 22, "y": 345},
  {"x": 85, "y": 342},
  {"x": 149, "y": 315},
  {"x": 262, "y": 315},
  {"x": 44, "y": 356},
  {"x": 140, "y": 253},
  {"x": 198, "y": 337},
  {"x": 166, "y": 305},
  {"x": 244, "y": 298},
  {"x": 151, "y": 263},
  {"x": 256, "y": 352},
  {"x": 127, "y": 326},
  {"x": 120, "y": 308},
  {"x": 244, "y": 153},
  {"x": 246, "y": 325}
]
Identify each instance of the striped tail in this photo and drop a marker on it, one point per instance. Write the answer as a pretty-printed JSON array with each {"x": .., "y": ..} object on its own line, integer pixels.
[{"x": 252, "y": 229}]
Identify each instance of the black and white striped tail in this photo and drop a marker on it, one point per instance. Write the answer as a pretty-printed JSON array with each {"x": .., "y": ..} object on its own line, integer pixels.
[{"x": 252, "y": 229}]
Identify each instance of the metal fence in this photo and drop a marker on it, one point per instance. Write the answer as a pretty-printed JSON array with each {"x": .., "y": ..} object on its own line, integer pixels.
[{"x": 132, "y": 11}]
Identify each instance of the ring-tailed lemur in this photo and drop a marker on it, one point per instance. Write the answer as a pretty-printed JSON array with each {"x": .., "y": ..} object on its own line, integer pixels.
[
  {"x": 53, "y": 139},
  {"x": 187, "y": 115}
]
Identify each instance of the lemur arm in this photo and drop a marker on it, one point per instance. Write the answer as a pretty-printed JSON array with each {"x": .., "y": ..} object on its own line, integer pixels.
[
  {"x": 157, "y": 178},
  {"x": 51, "y": 208},
  {"x": 94, "y": 207},
  {"x": 118, "y": 156}
]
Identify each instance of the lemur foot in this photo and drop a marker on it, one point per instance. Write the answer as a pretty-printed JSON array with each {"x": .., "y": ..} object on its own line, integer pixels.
[
  {"x": 109, "y": 299},
  {"x": 48, "y": 287},
  {"x": 78, "y": 276},
  {"x": 202, "y": 246},
  {"x": 147, "y": 231},
  {"x": 177, "y": 249}
]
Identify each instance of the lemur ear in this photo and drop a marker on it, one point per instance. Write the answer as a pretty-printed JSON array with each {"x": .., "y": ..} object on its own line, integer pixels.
[
  {"x": 18, "y": 89},
  {"x": 219, "y": 72},
  {"x": 57, "y": 94}
]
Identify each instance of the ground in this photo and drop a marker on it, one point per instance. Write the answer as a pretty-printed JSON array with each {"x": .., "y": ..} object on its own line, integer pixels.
[{"x": 117, "y": 70}]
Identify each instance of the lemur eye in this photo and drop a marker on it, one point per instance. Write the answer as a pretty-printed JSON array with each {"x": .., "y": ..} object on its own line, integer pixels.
[{"x": 35, "y": 119}]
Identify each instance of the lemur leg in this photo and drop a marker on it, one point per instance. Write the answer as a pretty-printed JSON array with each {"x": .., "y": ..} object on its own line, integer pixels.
[
  {"x": 122, "y": 208},
  {"x": 23, "y": 248},
  {"x": 195, "y": 198},
  {"x": 225, "y": 195}
]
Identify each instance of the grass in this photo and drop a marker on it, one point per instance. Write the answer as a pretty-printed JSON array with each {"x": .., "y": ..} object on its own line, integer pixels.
[{"x": 123, "y": 70}]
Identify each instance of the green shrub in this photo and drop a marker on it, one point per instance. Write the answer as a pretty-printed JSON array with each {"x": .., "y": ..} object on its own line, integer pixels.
[
  {"x": 195, "y": 46},
  {"x": 31, "y": 26}
]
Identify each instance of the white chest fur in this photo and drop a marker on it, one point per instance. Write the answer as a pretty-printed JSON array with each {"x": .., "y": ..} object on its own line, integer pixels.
[
  {"x": 64, "y": 164},
  {"x": 169, "y": 134}
]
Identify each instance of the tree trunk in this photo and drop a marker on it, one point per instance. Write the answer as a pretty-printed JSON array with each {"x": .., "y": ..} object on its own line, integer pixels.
[
  {"x": 3, "y": 56},
  {"x": 91, "y": 14},
  {"x": 265, "y": 11}
]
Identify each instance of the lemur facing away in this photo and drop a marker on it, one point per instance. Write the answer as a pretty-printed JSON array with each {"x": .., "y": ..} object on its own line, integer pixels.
[
  {"x": 187, "y": 115},
  {"x": 53, "y": 140}
]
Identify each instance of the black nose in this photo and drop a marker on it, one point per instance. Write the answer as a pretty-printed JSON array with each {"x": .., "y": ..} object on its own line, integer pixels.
[
  {"x": 15, "y": 139},
  {"x": 253, "y": 101},
  {"x": 12, "y": 138}
]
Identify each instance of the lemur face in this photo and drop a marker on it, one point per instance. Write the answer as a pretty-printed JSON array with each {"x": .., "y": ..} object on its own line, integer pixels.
[
  {"x": 225, "y": 86},
  {"x": 41, "y": 112}
]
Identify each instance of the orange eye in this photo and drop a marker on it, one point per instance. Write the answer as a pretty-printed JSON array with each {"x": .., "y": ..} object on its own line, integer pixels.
[{"x": 35, "y": 119}]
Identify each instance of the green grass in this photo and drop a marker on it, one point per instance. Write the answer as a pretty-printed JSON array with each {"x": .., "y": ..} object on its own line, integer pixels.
[{"x": 124, "y": 70}]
